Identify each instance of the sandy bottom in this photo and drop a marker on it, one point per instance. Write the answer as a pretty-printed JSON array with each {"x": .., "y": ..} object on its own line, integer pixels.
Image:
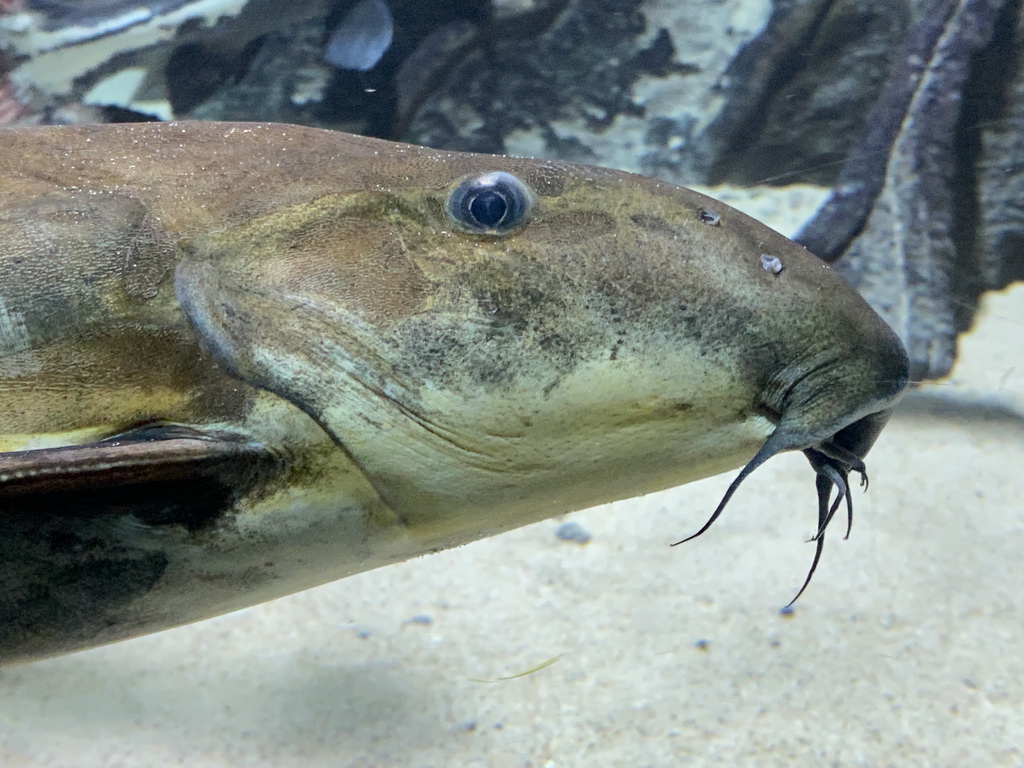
[{"x": 905, "y": 651}]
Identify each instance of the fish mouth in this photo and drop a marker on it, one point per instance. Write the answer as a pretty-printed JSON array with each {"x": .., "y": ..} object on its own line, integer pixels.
[
  {"x": 833, "y": 460},
  {"x": 831, "y": 407}
]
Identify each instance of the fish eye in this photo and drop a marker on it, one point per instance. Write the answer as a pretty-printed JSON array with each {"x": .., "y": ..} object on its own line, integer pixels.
[{"x": 495, "y": 203}]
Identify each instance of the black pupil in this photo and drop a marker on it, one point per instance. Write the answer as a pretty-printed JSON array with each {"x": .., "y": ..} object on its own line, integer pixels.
[{"x": 488, "y": 208}]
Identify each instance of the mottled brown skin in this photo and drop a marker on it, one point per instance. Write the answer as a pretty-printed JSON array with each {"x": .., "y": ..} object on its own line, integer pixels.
[{"x": 239, "y": 360}]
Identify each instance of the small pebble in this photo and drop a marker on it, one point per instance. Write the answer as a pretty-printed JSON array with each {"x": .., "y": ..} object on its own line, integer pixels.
[
  {"x": 573, "y": 531},
  {"x": 702, "y": 645},
  {"x": 787, "y": 610},
  {"x": 421, "y": 618}
]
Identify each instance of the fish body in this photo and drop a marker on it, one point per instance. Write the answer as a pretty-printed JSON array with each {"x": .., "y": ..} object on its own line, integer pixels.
[{"x": 241, "y": 360}]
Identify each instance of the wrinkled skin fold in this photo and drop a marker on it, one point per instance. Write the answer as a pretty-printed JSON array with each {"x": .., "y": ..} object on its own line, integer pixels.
[{"x": 241, "y": 360}]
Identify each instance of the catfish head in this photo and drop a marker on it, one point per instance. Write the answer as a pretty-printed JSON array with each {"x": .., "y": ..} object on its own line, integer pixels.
[
  {"x": 240, "y": 360},
  {"x": 494, "y": 340}
]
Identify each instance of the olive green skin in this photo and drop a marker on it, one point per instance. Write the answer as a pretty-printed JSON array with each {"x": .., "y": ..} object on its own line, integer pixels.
[{"x": 392, "y": 384}]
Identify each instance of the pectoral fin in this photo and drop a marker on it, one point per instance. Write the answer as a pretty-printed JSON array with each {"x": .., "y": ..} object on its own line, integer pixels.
[{"x": 163, "y": 474}]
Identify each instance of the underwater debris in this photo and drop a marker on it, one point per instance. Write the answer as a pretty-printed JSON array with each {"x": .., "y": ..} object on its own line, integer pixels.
[{"x": 530, "y": 671}]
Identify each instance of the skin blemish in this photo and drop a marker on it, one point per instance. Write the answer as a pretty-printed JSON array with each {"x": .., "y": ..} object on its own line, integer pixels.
[
  {"x": 708, "y": 216},
  {"x": 771, "y": 263}
]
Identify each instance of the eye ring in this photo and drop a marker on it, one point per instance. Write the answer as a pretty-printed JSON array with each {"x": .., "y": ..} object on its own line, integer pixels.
[{"x": 494, "y": 203}]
